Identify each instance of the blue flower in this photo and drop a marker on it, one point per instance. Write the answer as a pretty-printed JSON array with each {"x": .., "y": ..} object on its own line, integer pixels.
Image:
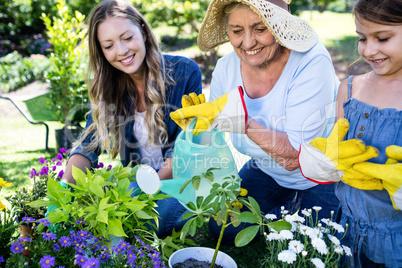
[
  {"x": 91, "y": 262},
  {"x": 56, "y": 247},
  {"x": 25, "y": 239},
  {"x": 79, "y": 260},
  {"x": 65, "y": 241},
  {"x": 45, "y": 222},
  {"x": 47, "y": 261},
  {"x": 16, "y": 247},
  {"x": 2, "y": 259},
  {"x": 49, "y": 236},
  {"x": 28, "y": 219}
]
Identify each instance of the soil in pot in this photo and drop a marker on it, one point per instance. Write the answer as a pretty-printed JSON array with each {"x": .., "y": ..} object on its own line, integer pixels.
[{"x": 193, "y": 263}]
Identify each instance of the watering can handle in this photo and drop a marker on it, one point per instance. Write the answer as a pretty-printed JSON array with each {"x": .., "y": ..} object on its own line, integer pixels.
[{"x": 190, "y": 128}]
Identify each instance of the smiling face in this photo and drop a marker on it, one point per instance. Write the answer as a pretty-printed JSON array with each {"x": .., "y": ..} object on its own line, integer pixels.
[
  {"x": 250, "y": 38},
  {"x": 380, "y": 46},
  {"x": 122, "y": 44}
]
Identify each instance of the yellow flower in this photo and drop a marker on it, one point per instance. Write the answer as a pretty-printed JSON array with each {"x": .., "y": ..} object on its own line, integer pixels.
[
  {"x": 3, "y": 183},
  {"x": 243, "y": 192},
  {"x": 2, "y": 206},
  {"x": 237, "y": 204}
]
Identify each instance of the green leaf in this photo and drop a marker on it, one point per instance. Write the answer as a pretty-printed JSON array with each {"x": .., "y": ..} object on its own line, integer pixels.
[
  {"x": 184, "y": 186},
  {"x": 79, "y": 176},
  {"x": 123, "y": 185},
  {"x": 249, "y": 217},
  {"x": 254, "y": 205},
  {"x": 116, "y": 228},
  {"x": 97, "y": 190},
  {"x": 39, "y": 203},
  {"x": 143, "y": 215},
  {"x": 246, "y": 235},
  {"x": 196, "y": 180},
  {"x": 134, "y": 205},
  {"x": 102, "y": 216},
  {"x": 280, "y": 225}
]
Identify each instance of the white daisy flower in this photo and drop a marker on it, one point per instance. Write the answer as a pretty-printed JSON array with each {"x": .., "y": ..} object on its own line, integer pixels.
[
  {"x": 334, "y": 240},
  {"x": 287, "y": 256},
  {"x": 271, "y": 217},
  {"x": 304, "y": 253},
  {"x": 296, "y": 246},
  {"x": 347, "y": 250},
  {"x": 294, "y": 218},
  {"x": 318, "y": 263},
  {"x": 317, "y": 208},
  {"x": 286, "y": 234},
  {"x": 306, "y": 213},
  {"x": 339, "y": 228},
  {"x": 319, "y": 245},
  {"x": 338, "y": 249},
  {"x": 273, "y": 236},
  {"x": 313, "y": 233}
]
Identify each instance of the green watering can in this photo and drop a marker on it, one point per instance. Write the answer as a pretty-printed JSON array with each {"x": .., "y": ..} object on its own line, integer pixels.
[{"x": 192, "y": 156}]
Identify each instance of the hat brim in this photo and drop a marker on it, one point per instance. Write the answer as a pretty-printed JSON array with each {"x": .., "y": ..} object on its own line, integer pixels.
[{"x": 290, "y": 31}]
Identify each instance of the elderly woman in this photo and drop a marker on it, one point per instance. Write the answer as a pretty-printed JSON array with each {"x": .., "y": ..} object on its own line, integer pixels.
[{"x": 287, "y": 92}]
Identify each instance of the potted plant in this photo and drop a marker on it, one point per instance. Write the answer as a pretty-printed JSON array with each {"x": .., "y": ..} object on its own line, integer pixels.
[
  {"x": 224, "y": 202},
  {"x": 8, "y": 227},
  {"x": 68, "y": 97}
]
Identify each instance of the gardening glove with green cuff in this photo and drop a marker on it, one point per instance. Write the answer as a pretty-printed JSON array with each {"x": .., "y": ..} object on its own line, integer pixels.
[
  {"x": 226, "y": 113},
  {"x": 390, "y": 173},
  {"x": 329, "y": 160}
]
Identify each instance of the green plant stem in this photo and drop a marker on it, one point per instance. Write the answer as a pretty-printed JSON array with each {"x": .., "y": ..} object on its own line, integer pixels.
[{"x": 218, "y": 244}]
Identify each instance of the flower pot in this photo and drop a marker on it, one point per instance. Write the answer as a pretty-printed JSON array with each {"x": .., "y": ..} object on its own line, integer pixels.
[
  {"x": 25, "y": 231},
  {"x": 66, "y": 136},
  {"x": 201, "y": 254}
]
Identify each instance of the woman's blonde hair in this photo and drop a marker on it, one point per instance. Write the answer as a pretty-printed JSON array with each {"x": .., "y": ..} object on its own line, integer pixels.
[{"x": 111, "y": 91}]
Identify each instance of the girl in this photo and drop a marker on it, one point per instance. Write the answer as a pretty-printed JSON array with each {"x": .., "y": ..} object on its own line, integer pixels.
[
  {"x": 372, "y": 104},
  {"x": 132, "y": 89}
]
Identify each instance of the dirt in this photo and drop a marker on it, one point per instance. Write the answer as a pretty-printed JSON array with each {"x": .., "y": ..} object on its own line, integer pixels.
[{"x": 193, "y": 263}]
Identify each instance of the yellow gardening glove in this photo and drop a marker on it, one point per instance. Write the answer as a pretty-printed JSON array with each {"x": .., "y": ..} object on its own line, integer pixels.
[
  {"x": 390, "y": 173},
  {"x": 227, "y": 113},
  {"x": 328, "y": 160}
]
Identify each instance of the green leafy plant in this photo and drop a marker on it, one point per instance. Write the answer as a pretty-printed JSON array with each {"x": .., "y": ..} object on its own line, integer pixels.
[
  {"x": 68, "y": 92},
  {"x": 308, "y": 243},
  {"x": 224, "y": 204},
  {"x": 104, "y": 199}
]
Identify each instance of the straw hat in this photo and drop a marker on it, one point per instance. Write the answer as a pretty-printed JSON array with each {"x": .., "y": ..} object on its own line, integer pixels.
[{"x": 290, "y": 31}]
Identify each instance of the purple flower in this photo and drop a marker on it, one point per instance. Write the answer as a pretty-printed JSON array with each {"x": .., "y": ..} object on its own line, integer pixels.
[
  {"x": 25, "y": 239},
  {"x": 63, "y": 151},
  {"x": 54, "y": 168},
  {"x": 59, "y": 156},
  {"x": 56, "y": 247},
  {"x": 59, "y": 163},
  {"x": 65, "y": 241},
  {"x": 79, "y": 260},
  {"x": 28, "y": 219},
  {"x": 91, "y": 262},
  {"x": 109, "y": 167},
  {"x": 47, "y": 261},
  {"x": 100, "y": 165},
  {"x": 49, "y": 236},
  {"x": 2, "y": 259},
  {"x": 43, "y": 161},
  {"x": 82, "y": 221},
  {"x": 33, "y": 173},
  {"x": 45, "y": 222},
  {"x": 61, "y": 173},
  {"x": 131, "y": 257},
  {"x": 16, "y": 247},
  {"x": 44, "y": 170}
]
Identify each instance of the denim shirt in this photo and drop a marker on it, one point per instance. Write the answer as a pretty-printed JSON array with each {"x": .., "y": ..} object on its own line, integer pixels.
[{"x": 187, "y": 77}]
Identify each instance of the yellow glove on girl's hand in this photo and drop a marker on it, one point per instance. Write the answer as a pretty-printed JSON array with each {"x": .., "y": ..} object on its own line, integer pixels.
[
  {"x": 390, "y": 173},
  {"x": 227, "y": 113},
  {"x": 324, "y": 160}
]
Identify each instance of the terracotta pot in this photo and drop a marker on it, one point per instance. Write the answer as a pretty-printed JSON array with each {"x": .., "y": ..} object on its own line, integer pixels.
[{"x": 25, "y": 231}]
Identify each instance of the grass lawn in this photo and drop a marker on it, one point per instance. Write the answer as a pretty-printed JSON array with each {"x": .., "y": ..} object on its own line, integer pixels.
[{"x": 22, "y": 144}]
